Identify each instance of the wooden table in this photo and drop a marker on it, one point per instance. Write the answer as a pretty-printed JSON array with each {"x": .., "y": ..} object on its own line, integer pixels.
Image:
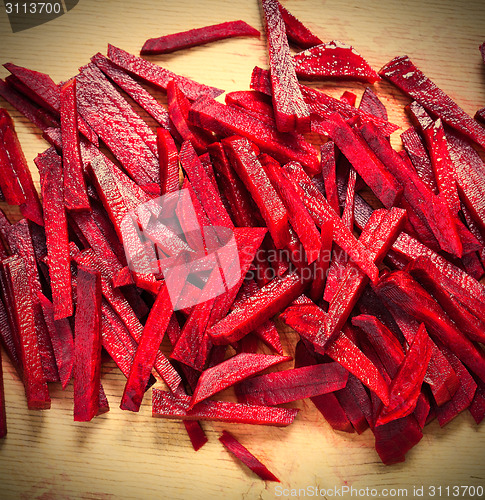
[{"x": 125, "y": 455}]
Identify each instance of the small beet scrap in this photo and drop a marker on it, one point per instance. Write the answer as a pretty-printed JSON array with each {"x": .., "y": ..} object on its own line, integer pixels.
[
  {"x": 230, "y": 372},
  {"x": 49, "y": 164},
  {"x": 333, "y": 60},
  {"x": 291, "y": 385},
  {"x": 75, "y": 194},
  {"x": 87, "y": 345},
  {"x": 3, "y": 414},
  {"x": 21, "y": 311},
  {"x": 296, "y": 31},
  {"x": 169, "y": 162},
  {"x": 406, "y": 385},
  {"x": 158, "y": 76},
  {"x": 198, "y": 36},
  {"x": 291, "y": 111},
  {"x": 246, "y": 457},
  {"x": 407, "y": 77},
  {"x": 170, "y": 405}
]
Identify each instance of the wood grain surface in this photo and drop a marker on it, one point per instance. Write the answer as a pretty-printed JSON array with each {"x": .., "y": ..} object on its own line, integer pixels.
[{"x": 124, "y": 455}]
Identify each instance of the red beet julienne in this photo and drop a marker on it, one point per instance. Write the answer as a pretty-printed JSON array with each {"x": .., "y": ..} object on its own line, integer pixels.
[
  {"x": 158, "y": 76},
  {"x": 291, "y": 111},
  {"x": 407, "y": 77},
  {"x": 197, "y": 36},
  {"x": 296, "y": 31}
]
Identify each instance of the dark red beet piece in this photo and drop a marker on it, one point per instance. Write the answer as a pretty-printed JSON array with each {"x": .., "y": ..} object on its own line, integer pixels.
[
  {"x": 197, "y": 36},
  {"x": 477, "y": 406},
  {"x": 75, "y": 194},
  {"x": 407, "y": 77},
  {"x": 406, "y": 293},
  {"x": 406, "y": 385},
  {"x": 382, "y": 183},
  {"x": 333, "y": 60},
  {"x": 225, "y": 120},
  {"x": 147, "y": 351},
  {"x": 257, "y": 309},
  {"x": 142, "y": 97},
  {"x": 9, "y": 183},
  {"x": 169, "y": 405},
  {"x": 301, "y": 221},
  {"x": 22, "y": 314},
  {"x": 372, "y": 105},
  {"x": 246, "y": 457},
  {"x": 327, "y": 153},
  {"x": 256, "y": 103},
  {"x": 169, "y": 162},
  {"x": 291, "y": 111},
  {"x": 61, "y": 338},
  {"x": 230, "y": 372},
  {"x": 50, "y": 169},
  {"x": 3, "y": 414},
  {"x": 291, "y": 385},
  {"x": 296, "y": 31},
  {"x": 157, "y": 75},
  {"x": 253, "y": 176},
  {"x": 196, "y": 434},
  {"x": 418, "y": 154},
  {"x": 322, "y": 263},
  {"x": 31, "y": 208},
  {"x": 87, "y": 345}
]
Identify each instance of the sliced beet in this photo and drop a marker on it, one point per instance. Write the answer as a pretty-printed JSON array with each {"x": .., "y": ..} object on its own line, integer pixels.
[
  {"x": 296, "y": 31},
  {"x": 87, "y": 345},
  {"x": 246, "y": 457},
  {"x": 407, "y": 77},
  {"x": 3, "y": 414},
  {"x": 157, "y": 75},
  {"x": 372, "y": 105},
  {"x": 198, "y": 36},
  {"x": 327, "y": 153},
  {"x": 169, "y": 405},
  {"x": 291, "y": 111},
  {"x": 333, "y": 60}
]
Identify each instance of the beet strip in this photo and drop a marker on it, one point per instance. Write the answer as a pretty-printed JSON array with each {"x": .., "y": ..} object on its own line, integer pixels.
[
  {"x": 291, "y": 112},
  {"x": 3, "y": 414},
  {"x": 321, "y": 212},
  {"x": 246, "y": 457},
  {"x": 22, "y": 314},
  {"x": 30, "y": 110},
  {"x": 372, "y": 171},
  {"x": 147, "y": 351},
  {"x": 87, "y": 345},
  {"x": 196, "y": 434},
  {"x": 207, "y": 194},
  {"x": 431, "y": 208},
  {"x": 406, "y": 385},
  {"x": 142, "y": 97},
  {"x": 20, "y": 242},
  {"x": 168, "y": 405},
  {"x": 327, "y": 153},
  {"x": 31, "y": 208},
  {"x": 50, "y": 169},
  {"x": 9, "y": 183},
  {"x": 322, "y": 263},
  {"x": 257, "y": 309},
  {"x": 333, "y": 60},
  {"x": 298, "y": 215},
  {"x": 230, "y": 372},
  {"x": 406, "y": 293},
  {"x": 255, "y": 103},
  {"x": 198, "y": 36},
  {"x": 46, "y": 92},
  {"x": 225, "y": 120},
  {"x": 371, "y": 104},
  {"x": 296, "y": 31},
  {"x": 291, "y": 385},
  {"x": 75, "y": 194},
  {"x": 169, "y": 162},
  {"x": 61, "y": 338},
  {"x": 253, "y": 176},
  {"x": 157, "y": 75},
  {"x": 407, "y": 77}
]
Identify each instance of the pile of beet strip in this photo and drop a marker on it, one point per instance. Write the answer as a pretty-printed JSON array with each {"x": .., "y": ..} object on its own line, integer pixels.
[{"x": 385, "y": 299}]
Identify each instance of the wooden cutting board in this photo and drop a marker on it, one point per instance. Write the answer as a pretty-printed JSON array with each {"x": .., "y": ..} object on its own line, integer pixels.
[{"x": 124, "y": 455}]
